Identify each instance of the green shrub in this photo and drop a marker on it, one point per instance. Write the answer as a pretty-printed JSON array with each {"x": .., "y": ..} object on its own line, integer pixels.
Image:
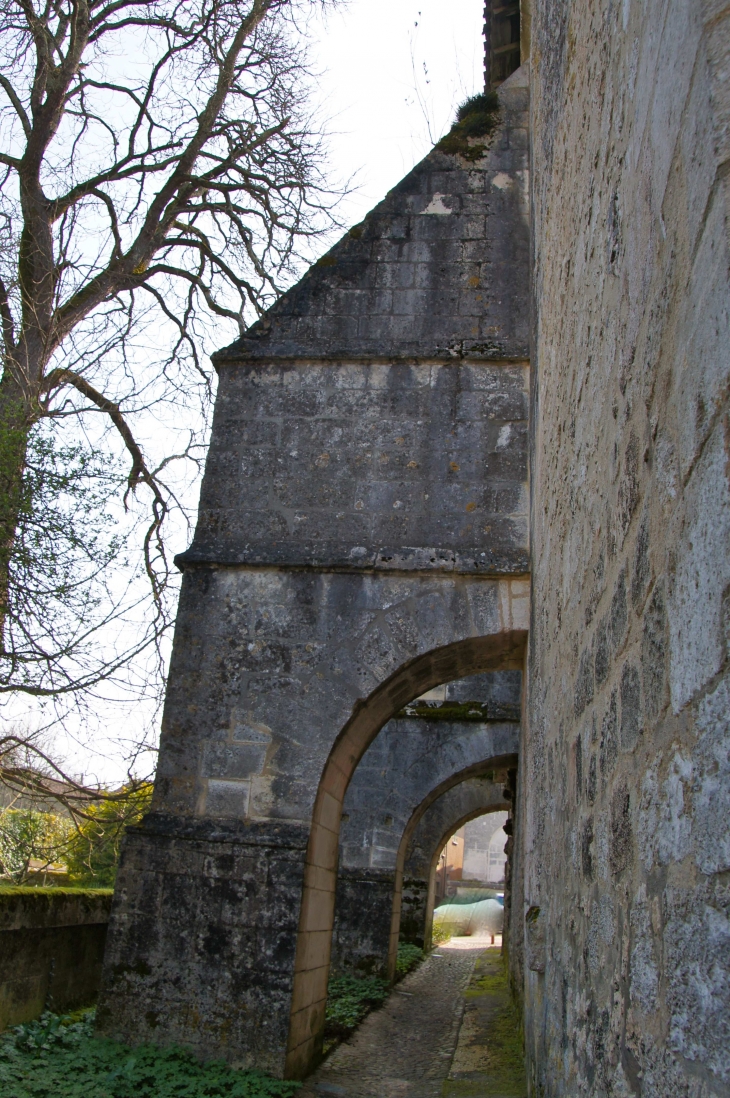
[
  {"x": 408, "y": 957},
  {"x": 441, "y": 932},
  {"x": 59, "y": 1057},
  {"x": 349, "y": 999},
  {"x": 92, "y": 854},
  {"x": 31, "y": 843}
]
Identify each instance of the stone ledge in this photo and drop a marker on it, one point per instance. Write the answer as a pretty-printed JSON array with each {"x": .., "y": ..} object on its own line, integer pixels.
[
  {"x": 26, "y": 908},
  {"x": 268, "y": 833},
  {"x": 331, "y": 557}
]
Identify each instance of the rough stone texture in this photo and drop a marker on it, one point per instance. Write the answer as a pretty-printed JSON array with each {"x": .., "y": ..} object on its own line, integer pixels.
[
  {"x": 268, "y": 667},
  {"x": 463, "y": 802},
  {"x": 624, "y": 765},
  {"x": 202, "y": 949},
  {"x": 370, "y": 880},
  {"x": 362, "y": 537},
  {"x": 392, "y": 466},
  {"x": 401, "y": 767},
  {"x": 51, "y": 950},
  {"x": 436, "y": 271}
]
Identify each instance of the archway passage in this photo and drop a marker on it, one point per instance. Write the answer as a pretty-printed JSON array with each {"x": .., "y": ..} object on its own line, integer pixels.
[
  {"x": 454, "y": 727},
  {"x": 466, "y": 801},
  {"x": 505, "y": 764},
  {"x": 500, "y": 651},
  {"x": 467, "y": 880}
]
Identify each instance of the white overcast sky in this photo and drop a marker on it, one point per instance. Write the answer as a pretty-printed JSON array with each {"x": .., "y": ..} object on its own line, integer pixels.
[{"x": 391, "y": 75}]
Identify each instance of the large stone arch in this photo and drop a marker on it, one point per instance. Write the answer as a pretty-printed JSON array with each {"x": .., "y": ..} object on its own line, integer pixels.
[
  {"x": 493, "y": 652},
  {"x": 506, "y": 764},
  {"x": 361, "y": 535}
]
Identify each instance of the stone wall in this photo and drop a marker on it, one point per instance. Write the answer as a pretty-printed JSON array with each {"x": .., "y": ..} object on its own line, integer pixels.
[
  {"x": 361, "y": 538},
  {"x": 624, "y": 775},
  {"x": 51, "y": 950}
]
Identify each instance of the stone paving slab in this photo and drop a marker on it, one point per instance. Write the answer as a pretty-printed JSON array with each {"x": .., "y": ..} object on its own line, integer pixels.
[{"x": 405, "y": 1049}]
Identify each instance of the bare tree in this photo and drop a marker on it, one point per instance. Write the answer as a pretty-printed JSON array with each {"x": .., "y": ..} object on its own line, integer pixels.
[{"x": 158, "y": 168}]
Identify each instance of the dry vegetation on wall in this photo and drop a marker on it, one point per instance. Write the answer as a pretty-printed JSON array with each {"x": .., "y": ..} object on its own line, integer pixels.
[{"x": 476, "y": 120}]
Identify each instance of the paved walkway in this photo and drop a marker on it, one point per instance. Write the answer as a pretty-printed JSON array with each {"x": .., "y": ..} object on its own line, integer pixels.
[{"x": 407, "y": 1048}]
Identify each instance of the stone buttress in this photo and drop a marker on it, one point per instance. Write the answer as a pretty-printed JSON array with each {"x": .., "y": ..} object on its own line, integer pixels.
[{"x": 364, "y": 502}]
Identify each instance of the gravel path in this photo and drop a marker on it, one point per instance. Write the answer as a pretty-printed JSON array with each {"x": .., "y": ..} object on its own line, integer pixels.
[{"x": 405, "y": 1049}]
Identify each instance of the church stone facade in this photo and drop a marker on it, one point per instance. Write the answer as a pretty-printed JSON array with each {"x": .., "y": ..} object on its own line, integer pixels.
[{"x": 487, "y": 433}]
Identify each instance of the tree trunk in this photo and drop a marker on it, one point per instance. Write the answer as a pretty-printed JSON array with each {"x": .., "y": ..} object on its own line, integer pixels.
[{"x": 15, "y": 423}]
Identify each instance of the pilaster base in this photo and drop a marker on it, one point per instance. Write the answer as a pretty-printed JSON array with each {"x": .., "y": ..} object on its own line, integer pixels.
[{"x": 202, "y": 937}]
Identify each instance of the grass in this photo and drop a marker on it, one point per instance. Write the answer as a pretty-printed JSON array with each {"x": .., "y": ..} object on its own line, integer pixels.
[
  {"x": 476, "y": 120},
  {"x": 52, "y": 890},
  {"x": 59, "y": 1057},
  {"x": 497, "y": 1069}
]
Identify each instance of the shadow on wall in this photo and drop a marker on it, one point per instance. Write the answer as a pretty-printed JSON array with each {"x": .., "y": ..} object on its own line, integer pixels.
[{"x": 503, "y": 650}]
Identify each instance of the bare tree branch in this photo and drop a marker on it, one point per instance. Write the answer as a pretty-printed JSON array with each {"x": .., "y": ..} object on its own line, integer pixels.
[{"x": 192, "y": 178}]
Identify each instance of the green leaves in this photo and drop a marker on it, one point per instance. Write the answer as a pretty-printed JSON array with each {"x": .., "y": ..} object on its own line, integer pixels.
[
  {"x": 93, "y": 851},
  {"x": 30, "y": 842},
  {"x": 349, "y": 999},
  {"x": 409, "y": 956},
  {"x": 59, "y": 1057}
]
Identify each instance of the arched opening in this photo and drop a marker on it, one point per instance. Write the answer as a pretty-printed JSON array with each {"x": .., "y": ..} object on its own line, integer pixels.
[
  {"x": 487, "y": 767},
  {"x": 457, "y": 807},
  {"x": 472, "y": 854},
  {"x": 454, "y": 727},
  {"x": 500, "y": 651},
  {"x": 482, "y": 869}
]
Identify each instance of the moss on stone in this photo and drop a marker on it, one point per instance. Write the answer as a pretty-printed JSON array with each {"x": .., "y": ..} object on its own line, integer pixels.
[
  {"x": 490, "y": 1058},
  {"x": 476, "y": 120},
  {"x": 53, "y": 890},
  {"x": 462, "y": 711}
]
